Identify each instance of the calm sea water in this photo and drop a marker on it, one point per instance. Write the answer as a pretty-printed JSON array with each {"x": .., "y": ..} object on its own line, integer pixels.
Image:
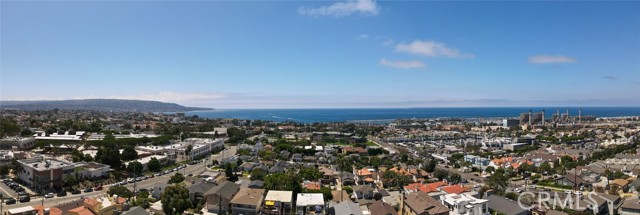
[{"x": 389, "y": 114}]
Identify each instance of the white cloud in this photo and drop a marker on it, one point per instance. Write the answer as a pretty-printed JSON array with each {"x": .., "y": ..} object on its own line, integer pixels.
[
  {"x": 402, "y": 64},
  {"x": 541, "y": 59},
  {"x": 431, "y": 49},
  {"x": 363, "y": 36},
  {"x": 340, "y": 9}
]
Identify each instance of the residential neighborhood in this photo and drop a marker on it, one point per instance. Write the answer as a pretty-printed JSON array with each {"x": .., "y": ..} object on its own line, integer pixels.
[{"x": 179, "y": 164}]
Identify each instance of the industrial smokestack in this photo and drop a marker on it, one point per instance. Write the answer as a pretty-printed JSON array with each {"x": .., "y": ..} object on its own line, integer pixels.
[{"x": 579, "y": 115}]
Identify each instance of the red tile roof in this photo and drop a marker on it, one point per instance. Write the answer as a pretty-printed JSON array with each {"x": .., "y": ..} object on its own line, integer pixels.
[
  {"x": 52, "y": 210},
  {"x": 419, "y": 187},
  {"x": 454, "y": 189},
  {"x": 81, "y": 211}
]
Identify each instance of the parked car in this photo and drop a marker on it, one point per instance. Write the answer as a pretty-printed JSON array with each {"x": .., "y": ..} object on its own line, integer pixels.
[
  {"x": 517, "y": 190},
  {"x": 63, "y": 193},
  {"x": 88, "y": 190},
  {"x": 98, "y": 188},
  {"x": 10, "y": 201},
  {"x": 75, "y": 192},
  {"x": 25, "y": 199},
  {"x": 48, "y": 195},
  {"x": 131, "y": 180}
]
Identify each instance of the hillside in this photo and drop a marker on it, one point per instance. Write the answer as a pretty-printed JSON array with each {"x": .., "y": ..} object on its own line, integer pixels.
[{"x": 99, "y": 105}]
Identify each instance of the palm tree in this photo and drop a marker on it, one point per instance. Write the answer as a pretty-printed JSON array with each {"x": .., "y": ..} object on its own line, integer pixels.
[{"x": 187, "y": 152}]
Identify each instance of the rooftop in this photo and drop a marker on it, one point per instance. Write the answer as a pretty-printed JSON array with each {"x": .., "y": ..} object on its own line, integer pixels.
[
  {"x": 308, "y": 199},
  {"x": 279, "y": 196},
  {"x": 41, "y": 164}
]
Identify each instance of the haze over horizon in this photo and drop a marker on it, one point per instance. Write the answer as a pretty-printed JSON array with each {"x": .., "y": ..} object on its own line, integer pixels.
[{"x": 323, "y": 54}]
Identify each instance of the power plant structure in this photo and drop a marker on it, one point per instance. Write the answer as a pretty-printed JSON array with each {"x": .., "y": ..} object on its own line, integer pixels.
[{"x": 532, "y": 118}]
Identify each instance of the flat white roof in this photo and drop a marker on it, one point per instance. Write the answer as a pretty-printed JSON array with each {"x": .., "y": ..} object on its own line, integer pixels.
[
  {"x": 309, "y": 199},
  {"x": 459, "y": 198},
  {"x": 279, "y": 196},
  {"x": 21, "y": 210}
]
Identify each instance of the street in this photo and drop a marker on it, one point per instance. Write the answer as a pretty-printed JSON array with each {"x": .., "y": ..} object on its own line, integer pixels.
[{"x": 55, "y": 201}]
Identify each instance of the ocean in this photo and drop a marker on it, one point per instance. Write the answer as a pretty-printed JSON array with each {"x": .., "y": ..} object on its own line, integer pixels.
[{"x": 382, "y": 115}]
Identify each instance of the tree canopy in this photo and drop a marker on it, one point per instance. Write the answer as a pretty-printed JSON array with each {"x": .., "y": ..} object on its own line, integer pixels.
[{"x": 175, "y": 200}]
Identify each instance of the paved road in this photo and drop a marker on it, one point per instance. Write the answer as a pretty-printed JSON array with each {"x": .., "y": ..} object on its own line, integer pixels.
[
  {"x": 52, "y": 202},
  {"x": 6, "y": 191},
  {"x": 226, "y": 153},
  {"x": 391, "y": 148}
]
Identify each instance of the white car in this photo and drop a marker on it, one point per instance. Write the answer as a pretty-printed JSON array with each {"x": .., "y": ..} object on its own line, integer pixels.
[
  {"x": 567, "y": 191},
  {"x": 517, "y": 190},
  {"x": 532, "y": 186},
  {"x": 49, "y": 195}
]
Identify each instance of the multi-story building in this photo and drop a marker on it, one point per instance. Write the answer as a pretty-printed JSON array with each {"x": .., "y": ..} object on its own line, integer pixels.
[
  {"x": 247, "y": 201},
  {"x": 465, "y": 204},
  {"x": 44, "y": 174},
  {"x": 177, "y": 151}
]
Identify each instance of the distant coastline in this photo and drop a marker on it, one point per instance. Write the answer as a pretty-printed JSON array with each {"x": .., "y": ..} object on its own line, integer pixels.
[
  {"x": 120, "y": 105},
  {"x": 390, "y": 114}
]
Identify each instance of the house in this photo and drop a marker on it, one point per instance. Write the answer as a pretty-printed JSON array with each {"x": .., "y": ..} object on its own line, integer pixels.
[
  {"x": 79, "y": 211},
  {"x": 630, "y": 207},
  {"x": 612, "y": 202},
  {"x": 347, "y": 178},
  {"x": 363, "y": 192},
  {"x": 158, "y": 189},
  {"x": 621, "y": 184},
  {"x": 309, "y": 203},
  {"x": 278, "y": 202},
  {"x": 340, "y": 196},
  {"x": 196, "y": 191},
  {"x": 347, "y": 207},
  {"x": 570, "y": 180},
  {"x": 419, "y": 203},
  {"x": 465, "y": 204},
  {"x": 296, "y": 157},
  {"x": 48, "y": 211},
  {"x": 218, "y": 198},
  {"x": 634, "y": 185},
  {"x": 27, "y": 210},
  {"x": 382, "y": 208},
  {"x": 454, "y": 189},
  {"x": 501, "y": 204},
  {"x": 247, "y": 201}
]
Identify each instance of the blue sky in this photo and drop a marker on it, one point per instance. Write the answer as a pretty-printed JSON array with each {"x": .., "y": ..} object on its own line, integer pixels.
[{"x": 324, "y": 54}]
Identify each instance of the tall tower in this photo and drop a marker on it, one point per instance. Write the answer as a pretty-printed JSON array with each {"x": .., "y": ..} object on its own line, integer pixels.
[
  {"x": 558, "y": 115},
  {"x": 542, "y": 117},
  {"x": 530, "y": 117},
  {"x": 580, "y": 116}
]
